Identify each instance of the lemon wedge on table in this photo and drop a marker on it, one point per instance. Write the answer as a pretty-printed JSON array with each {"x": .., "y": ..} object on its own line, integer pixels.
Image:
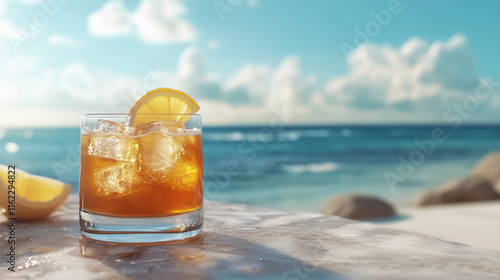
[
  {"x": 163, "y": 101},
  {"x": 36, "y": 197}
]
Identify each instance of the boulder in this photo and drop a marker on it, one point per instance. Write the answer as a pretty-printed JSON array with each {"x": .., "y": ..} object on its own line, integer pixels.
[
  {"x": 488, "y": 168},
  {"x": 357, "y": 207},
  {"x": 459, "y": 190}
]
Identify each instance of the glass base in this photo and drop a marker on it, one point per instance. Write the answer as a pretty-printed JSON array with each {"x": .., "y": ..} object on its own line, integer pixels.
[{"x": 140, "y": 230}]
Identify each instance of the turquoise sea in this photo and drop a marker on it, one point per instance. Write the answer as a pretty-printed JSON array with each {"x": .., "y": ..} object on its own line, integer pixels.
[{"x": 297, "y": 167}]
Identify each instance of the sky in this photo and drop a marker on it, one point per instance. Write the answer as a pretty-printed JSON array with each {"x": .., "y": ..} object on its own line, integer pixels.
[{"x": 249, "y": 62}]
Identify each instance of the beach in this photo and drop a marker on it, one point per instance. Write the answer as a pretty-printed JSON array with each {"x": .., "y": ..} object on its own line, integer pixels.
[
  {"x": 298, "y": 168},
  {"x": 476, "y": 224}
]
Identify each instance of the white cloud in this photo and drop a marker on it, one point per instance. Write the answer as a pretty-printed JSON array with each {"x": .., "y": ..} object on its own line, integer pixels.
[
  {"x": 7, "y": 30},
  {"x": 110, "y": 20},
  {"x": 288, "y": 86},
  {"x": 160, "y": 21},
  {"x": 27, "y": 83},
  {"x": 41, "y": 117},
  {"x": 221, "y": 112},
  {"x": 79, "y": 82},
  {"x": 249, "y": 85},
  {"x": 61, "y": 40},
  {"x": 252, "y": 84},
  {"x": 79, "y": 86},
  {"x": 416, "y": 74},
  {"x": 252, "y": 3},
  {"x": 155, "y": 21},
  {"x": 192, "y": 76},
  {"x": 271, "y": 89},
  {"x": 382, "y": 85}
]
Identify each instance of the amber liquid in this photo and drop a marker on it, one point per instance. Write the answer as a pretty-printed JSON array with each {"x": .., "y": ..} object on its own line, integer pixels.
[{"x": 175, "y": 190}]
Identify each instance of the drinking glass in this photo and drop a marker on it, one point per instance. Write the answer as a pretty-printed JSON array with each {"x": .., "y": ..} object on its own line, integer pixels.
[{"x": 141, "y": 183}]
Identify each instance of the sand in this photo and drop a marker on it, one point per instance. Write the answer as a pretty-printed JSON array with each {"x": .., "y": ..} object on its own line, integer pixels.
[{"x": 476, "y": 224}]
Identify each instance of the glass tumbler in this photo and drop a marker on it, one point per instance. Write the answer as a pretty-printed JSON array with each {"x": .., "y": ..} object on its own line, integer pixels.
[{"x": 141, "y": 181}]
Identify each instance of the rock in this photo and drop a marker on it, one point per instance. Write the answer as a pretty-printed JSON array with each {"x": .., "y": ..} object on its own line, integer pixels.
[
  {"x": 488, "y": 168},
  {"x": 357, "y": 207},
  {"x": 459, "y": 190}
]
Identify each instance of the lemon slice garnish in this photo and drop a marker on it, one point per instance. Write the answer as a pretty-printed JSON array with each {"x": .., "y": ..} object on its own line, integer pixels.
[
  {"x": 163, "y": 101},
  {"x": 36, "y": 197}
]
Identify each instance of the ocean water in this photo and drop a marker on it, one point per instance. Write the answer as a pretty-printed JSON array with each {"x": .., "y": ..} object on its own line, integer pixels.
[{"x": 296, "y": 168}]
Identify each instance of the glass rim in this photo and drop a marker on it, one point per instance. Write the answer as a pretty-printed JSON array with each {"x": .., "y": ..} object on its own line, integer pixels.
[{"x": 139, "y": 114}]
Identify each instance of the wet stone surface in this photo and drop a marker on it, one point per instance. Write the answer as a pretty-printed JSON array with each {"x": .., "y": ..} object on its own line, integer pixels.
[{"x": 242, "y": 242}]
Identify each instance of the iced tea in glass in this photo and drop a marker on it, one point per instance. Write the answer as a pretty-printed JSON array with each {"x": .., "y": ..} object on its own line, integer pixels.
[{"x": 141, "y": 183}]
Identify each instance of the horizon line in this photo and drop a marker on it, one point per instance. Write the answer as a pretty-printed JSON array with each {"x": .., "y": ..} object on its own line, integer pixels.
[{"x": 360, "y": 124}]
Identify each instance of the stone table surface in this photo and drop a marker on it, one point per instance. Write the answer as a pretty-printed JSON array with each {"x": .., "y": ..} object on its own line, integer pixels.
[{"x": 242, "y": 242}]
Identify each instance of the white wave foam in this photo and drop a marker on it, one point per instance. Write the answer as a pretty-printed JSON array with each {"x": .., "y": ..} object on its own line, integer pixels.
[
  {"x": 346, "y": 132},
  {"x": 312, "y": 167},
  {"x": 265, "y": 136},
  {"x": 224, "y": 136},
  {"x": 316, "y": 133},
  {"x": 289, "y": 136},
  {"x": 260, "y": 136}
]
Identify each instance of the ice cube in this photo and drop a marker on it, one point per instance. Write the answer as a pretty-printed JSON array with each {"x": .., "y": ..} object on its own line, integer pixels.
[
  {"x": 172, "y": 128},
  {"x": 186, "y": 174},
  {"x": 158, "y": 153},
  {"x": 168, "y": 128},
  {"x": 113, "y": 147},
  {"x": 112, "y": 128},
  {"x": 114, "y": 141},
  {"x": 119, "y": 179}
]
